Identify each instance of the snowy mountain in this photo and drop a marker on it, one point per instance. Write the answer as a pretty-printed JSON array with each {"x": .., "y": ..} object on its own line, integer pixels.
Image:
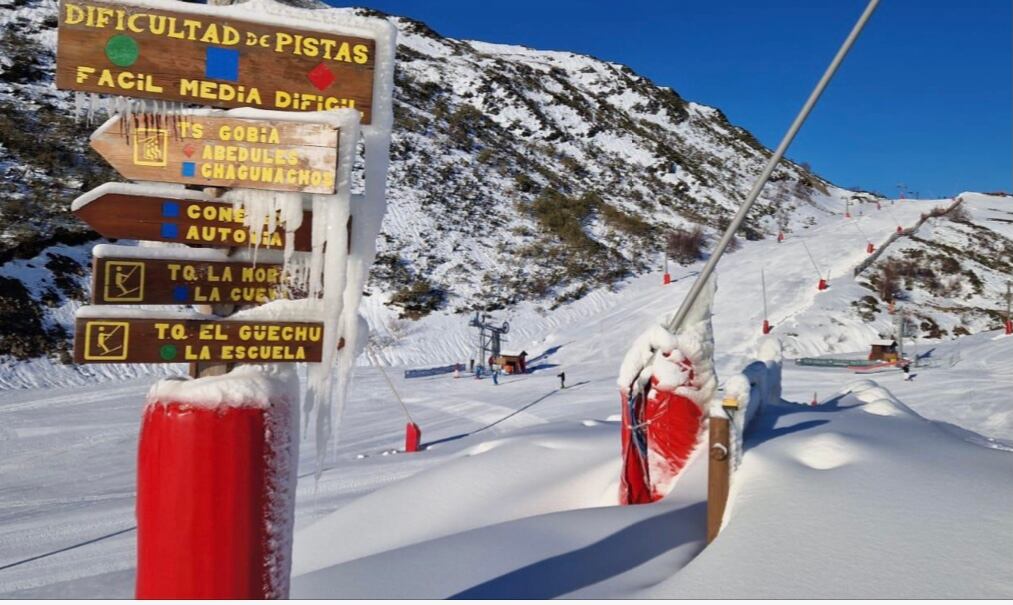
[{"x": 517, "y": 175}]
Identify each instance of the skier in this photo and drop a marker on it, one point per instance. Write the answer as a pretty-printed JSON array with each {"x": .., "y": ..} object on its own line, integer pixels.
[
  {"x": 907, "y": 372},
  {"x": 562, "y": 380},
  {"x": 495, "y": 375}
]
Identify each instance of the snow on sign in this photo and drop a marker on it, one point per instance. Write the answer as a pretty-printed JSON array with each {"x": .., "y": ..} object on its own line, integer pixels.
[
  {"x": 222, "y": 151},
  {"x": 129, "y": 339},
  {"x": 129, "y": 211},
  {"x": 129, "y": 280},
  {"x": 207, "y": 56}
]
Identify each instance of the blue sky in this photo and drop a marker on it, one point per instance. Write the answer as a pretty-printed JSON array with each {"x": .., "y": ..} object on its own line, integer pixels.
[{"x": 923, "y": 99}]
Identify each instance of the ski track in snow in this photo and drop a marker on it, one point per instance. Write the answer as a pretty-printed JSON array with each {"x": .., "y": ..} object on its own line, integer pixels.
[{"x": 67, "y": 454}]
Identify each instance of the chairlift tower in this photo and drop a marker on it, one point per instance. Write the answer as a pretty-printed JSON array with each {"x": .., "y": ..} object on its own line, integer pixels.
[{"x": 490, "y": 337}]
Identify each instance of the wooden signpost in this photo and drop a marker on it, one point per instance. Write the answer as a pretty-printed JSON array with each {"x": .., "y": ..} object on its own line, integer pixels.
[
  {"x": 121, "y": 211},
  {"x": 134, "y": 340},
  {"x": 222, "y": 152},
  {"x": 148, "y": 281},
  {"x": 268, "y": 60},
  {"x": 197, "y": 55}
]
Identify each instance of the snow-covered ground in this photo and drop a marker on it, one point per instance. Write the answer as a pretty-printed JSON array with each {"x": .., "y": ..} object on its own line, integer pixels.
[{"x": 870, "y": 494}]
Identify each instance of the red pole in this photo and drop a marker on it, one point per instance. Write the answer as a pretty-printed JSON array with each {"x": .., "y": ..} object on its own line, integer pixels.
[
  {"x": 869, "y": 249},
  {"x": 1009, "y": 326},
  {"x": 413, "y": 436},
  {"x": 822, "y": 285},
  {"x": 780, "y": 236},
  {"x": 766, "y": 327},
  {"x": 208, "y": 526}
]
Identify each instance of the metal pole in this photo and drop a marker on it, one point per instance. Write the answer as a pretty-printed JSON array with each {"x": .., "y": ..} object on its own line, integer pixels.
[
  {"x": 819, "y": 272},
  {"x": 1008, "y": 295},
  {"x": 860, "y": 231},
  {"x": 763, "y": 284},
  {"x": 900, "y": 334},
  {"x": 740, "y": 216}
]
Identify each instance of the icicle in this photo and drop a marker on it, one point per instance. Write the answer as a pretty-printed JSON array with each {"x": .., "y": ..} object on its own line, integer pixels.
[
  {"x": 92, "y": 106},
  {"x": 78, "y": 105},
  {"x": 332, "y": 258},
  {"x": 265, "y": 212}
]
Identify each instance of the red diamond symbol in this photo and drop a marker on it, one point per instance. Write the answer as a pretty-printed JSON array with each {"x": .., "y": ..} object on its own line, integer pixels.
[
  {"x": 189, "y": 149},
  {"x": 321, "y": 77}
]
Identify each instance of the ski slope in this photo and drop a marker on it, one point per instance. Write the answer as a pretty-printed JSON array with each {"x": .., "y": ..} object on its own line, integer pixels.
[{"x": 514, "y": 493}]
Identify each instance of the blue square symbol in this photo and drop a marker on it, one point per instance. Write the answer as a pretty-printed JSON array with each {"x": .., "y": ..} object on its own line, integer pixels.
[
  {"x": 189, "y": 168},
  {"x": 179, "y": 293},
  {"x": 170, "y": 230},
  {"x": 170, "y": 209},
  {"x": 222, "y": 64}
]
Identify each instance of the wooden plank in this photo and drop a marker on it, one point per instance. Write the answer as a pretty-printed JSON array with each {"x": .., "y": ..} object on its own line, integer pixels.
[
  {"x": 195, "y": 222},
  {"x": 718, "y": 474},
  {"x": 147, "y": 281},
  {"x": 221, "y": 152},
  {"x": 134, "y": 340},
  {"x": 188, "y": 55}
]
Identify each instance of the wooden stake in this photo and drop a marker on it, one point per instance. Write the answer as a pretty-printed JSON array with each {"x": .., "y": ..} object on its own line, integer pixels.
[
  {"x": 202, "y": 370},
  {"x": 718, "y": 474}
]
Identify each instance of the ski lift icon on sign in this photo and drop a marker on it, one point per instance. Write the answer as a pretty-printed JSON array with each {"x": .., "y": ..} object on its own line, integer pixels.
[
  {"x": 106, "y": 340},
  {"x": 124, "y": 282}
]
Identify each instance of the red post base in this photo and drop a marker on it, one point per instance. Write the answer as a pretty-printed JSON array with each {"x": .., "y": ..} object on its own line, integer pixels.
[
  {"x": 900, "y": 229},
  {"x": 847, "y": 215},
  {"x": 814, "y": 401},
  {"x": 667, "y": 279},
  {"x": 822, "y": 285},
  {"x": 869, "y": 248},
  {"x": 674, "y": 429},
  {"x": 1009, "y": 326},
  {"x": 766, "y": 327},
  {"x": 412, "y": 437},
  {"x": 203, "y": 507}
]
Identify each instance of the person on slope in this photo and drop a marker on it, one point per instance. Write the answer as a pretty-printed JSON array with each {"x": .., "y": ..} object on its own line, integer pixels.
[{"x": 562, "y": 380}]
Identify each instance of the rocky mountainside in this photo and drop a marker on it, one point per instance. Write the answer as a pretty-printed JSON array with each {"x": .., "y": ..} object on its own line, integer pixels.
[{"x": 516, "y": 174}]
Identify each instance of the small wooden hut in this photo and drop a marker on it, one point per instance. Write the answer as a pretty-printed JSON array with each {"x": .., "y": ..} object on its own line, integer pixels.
[{"x": 883, "y": 350}]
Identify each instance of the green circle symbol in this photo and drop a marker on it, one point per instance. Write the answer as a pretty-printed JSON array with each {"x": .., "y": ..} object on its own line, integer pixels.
[
  {"x": 122, "y": 50},
  {"x": 168, "y": 352}
]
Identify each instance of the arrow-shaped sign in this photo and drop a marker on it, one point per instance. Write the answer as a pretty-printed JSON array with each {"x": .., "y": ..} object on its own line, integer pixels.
[
  {"x": 211, "y": 149},
  {"x": 174, "y": 214},
  {"x": 128, "y": 339},
  {"x": 128, "y": 275}
]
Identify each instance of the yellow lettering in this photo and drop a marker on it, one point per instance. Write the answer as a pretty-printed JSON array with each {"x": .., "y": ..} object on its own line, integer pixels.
[{"x": 74, "y": 15}]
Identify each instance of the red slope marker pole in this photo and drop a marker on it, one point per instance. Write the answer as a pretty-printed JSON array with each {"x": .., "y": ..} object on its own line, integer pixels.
[
  {"x": 763, "y": 285},
  {"x": 204, "y": 514}
]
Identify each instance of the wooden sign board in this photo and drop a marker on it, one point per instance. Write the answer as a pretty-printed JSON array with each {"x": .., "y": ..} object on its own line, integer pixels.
[
  {"x": 140, "y": 214},
  {"x": 148, "y": 281},
  {"x": 133, "y": 340},
  {"x": 222, "y": 152},
  {"x": 198, "y": 55}
]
